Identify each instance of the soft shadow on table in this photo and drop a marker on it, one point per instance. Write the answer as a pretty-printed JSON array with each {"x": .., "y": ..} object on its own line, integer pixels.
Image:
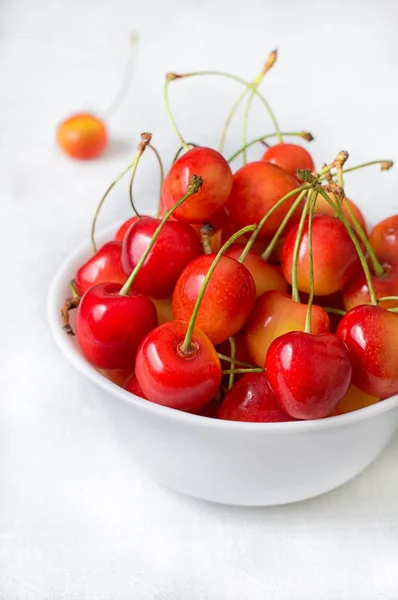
[{"x": 118, "y": 147}]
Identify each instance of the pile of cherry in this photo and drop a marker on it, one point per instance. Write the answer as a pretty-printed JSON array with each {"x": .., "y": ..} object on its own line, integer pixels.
[{"x": 257, "y": 295}]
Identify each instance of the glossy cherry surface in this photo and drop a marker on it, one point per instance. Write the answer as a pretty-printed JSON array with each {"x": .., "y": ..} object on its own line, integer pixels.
[
  {"x": 384, "y": 239},
  {"x": 289, "y": 157},
  {"x": 309, "y": 373},
  {"x": 82, "y": 136},
  {"x": 212, "y": 196},
  {"x": 228, "y": 299},
  {"x": 110, "y": 327},
  {"x": 274, "y": 314},
  {"x": 335, "y": 258},
  {"x": 105, "y": 266},
  {"x": 371, "y": 334},
  {"x": 169, "y": 377},
  {"x": 134, "y": 387},
  {"x": 357, "y": 292},
  {"x": 176, "y": 246},
  {"x": 252, "y": 399},
  {"x": 256, "y": 188},
  {"x": 124, "y": 227},
  {"x": 323, "y": 207}
]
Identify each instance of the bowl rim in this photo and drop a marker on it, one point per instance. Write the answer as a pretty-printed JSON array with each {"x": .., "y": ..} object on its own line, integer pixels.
[{"x": 66, "y": 271}]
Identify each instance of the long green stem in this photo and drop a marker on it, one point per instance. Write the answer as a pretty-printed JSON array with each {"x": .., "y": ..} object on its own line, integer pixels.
[
  {"x": 303, "y": 134},
  {"x": 233, "y": 352},
  {"x": 243, "y": 371},
  {"x": 312, "y": 201},
  {"x": 235, "y": 360},
  {"x": 186, "y": 347},
  {"x": 228, "y": 120},
  {"x": 73, "y": 289},
  {"x": 385, "y": 165},
  {"x": 181, "y": 148},
  {"x": 271, "y": 246},
  {"x": 193, "y": 187},
  {"x": 387, "y": 298},
  {"x": 297, "y": 243},
  {"x": 334, "y": 311},
  {"x": 161, "y": 167},
  {"x": 169, "y": 114}
]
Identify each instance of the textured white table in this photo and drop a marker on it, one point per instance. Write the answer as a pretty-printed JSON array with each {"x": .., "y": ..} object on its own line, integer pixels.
[{"x": 78, "y": 517}]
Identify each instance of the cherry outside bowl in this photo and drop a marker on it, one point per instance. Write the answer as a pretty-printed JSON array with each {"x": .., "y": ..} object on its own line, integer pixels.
[{"x": 251, "y": 464}]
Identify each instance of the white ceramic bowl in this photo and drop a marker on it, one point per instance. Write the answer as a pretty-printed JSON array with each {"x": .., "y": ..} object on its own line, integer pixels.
[{"x": 252, "y": 464}]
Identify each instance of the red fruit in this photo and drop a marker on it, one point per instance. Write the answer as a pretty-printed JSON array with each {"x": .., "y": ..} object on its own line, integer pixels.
[
  {"x": 289, "y": 157},
  {"x": 257, "y": 187},
  {"x": 228, "y": 299},
  {"x": 323, "y": 207},
  {"x": 241, "y": 353},
  {"x": 332, "y": 301},
  {"x": 252, "y": 399},
  {"x": 175, "y": 247},
  {"x": 275, "y": 314},
  {"x": 357, "y": 292},
  {"x": 208, "y": 410},
  {"x": 169, "y": 377},
  {"x": 110, "y": 327},
  {"x": 334, "y": 256},
  {"x": 104, "y": 267},
  {"x": 309, "y": 373},
  {"x": 212, "y": 196},
  {"x": 384, "y": 239},
  {"x": 118, "y": 377},
  {"x": 82, "y": 136},
  {"x": 123, "y": 229},
  {"x": 371, "y": 334},
  {"x": 266, "y": 277},
  {"x": 353, "y": 400},
  {"x": 133, "y": 386}
]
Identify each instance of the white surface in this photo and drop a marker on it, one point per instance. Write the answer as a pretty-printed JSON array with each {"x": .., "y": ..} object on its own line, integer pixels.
[{"x": 78, "y": 518}]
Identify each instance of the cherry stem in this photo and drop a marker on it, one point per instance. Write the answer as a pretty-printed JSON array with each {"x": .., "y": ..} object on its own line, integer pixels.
[
  {"x": 235, "y": 360},
  {"x": 186, "y": 347},
  {"x": 181, "y": 148},
  {"x": 72, "y": 286},
  {"x": 194, "y": 185},
  {"x": 145, "y": 141},
  {"x": 206, "y": 232},
  {"x": 297, "y": 243},
  {"x": 170, "y": 77},
  {"x": 312, "y": 203},
  {"x": 233, "y": 353},
  {"x": 247, "y": 84},
  {"x": 334, "y": 311},
  {"x": 275, "y": 207},
  {"x": 104, "y": 197},
  {"x": 356, "y": 243},
  {"x": 303, "y": 134},
  {"x": 242, "y": 371},
  {"x": 386, "y": 298},
  {"x": 393, "y": 310},
  {"x": 271, "y": 246},
  {"x": 126, "y": 80},
  {"x": 161, "y": 170},
  {"x": 385, "y": 165}
]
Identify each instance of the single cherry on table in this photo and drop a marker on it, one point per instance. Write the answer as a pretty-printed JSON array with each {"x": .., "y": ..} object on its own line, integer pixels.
[{"x": 82, "y": 136}]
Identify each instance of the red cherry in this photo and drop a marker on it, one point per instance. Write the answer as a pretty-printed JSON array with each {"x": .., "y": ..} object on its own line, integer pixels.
[
  {"x": 384, "y": 239},
  {"x": 118, "y": 377},
  {"x": 256, "y": 188},
  {"x": 217, "y": 183},
  {"x": 266, "y": 277},
  {"x": 176, "y": 246},
  {"x": 357, "y": 292},
  {"x": 289, "y": 157},
  {"x": 323, "y": 207},
  {"x": 82, "y": 136},
  {"x": 371, "y": 334},
  {"x": 275, "y": 314},
  {"x": 334, "y": 255},
  {"x": 170, "y": 377},
  {"x": 252, "y": 399},
  {"x": 104, "y": 267},
  {"x": 123, "y": 229},
  {"x": 208, "y": 410},
  {"x": 110, "y": 327},
  {"x": 353, "y": 400},
  {"x": 133, "y": 386},
  {"x": 227, "y": 302},
  {"x": 309, "y": 373}
]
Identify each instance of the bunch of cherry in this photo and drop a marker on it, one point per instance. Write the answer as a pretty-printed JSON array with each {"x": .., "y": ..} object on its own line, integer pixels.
[{"x": 255, "y": 295}]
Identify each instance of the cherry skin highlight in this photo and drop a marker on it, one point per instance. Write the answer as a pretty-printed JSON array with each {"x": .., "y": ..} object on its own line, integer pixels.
[
  {"x": 212, "y": 196},
  {"x": 275, "y": 314},
  {"x": 334, "y": 255},
  {"x": 176, "y": 246},
  {"x": 104, "y": 267},
  {"x": 124, "y": 227},
  {"x": 384, "y": 239},
  {"x": 357, "y": 292},
  {"x": 371, "y": 334},
  {"x": 82, "y": 136},
  {"x": 110, "y": 327},
  {"x": 169, "y": 377},
  {"x": 252, "y": 400},
  {"x": 228, "y": 299},
  {"x": 309, "y": 373},
  {"x": 257, "y": 187},
  {"x": 289, "y": 157}
]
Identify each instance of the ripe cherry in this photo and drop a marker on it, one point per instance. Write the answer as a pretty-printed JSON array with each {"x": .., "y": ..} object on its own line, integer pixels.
[
  {"x": 309, "y": 373},
  {"x": 357, "y": 292},
  {"x": 123, "y": 229},
  {"x": 252, "y": 399},
  {"x": 289, "y": 157},
  {"x": 335, "y": 258},
  {"x": 176, "y": 246},
  {"x": 213, "y": 195},
  {"x": 111, "y": 326},
  {"x": 118, "y": 377},
  {"x": 353, "y": 400},
  {"x": 164, "y": 309},
  {"x": 384, "y": 239},
  {"x": 134, "y": 387},
  {"x": 227, "y": 302},
  {"x": 256, "y": 188},
  {"x": 104, "y": 267},
  {"x": 82, "y": 136},
  {"x": 323, "y": 207},
  {"x": 371, "y": 334}
]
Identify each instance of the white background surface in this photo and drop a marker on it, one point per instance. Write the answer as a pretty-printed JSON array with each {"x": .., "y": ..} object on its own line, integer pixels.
[{"x": 78, "y": 518}]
